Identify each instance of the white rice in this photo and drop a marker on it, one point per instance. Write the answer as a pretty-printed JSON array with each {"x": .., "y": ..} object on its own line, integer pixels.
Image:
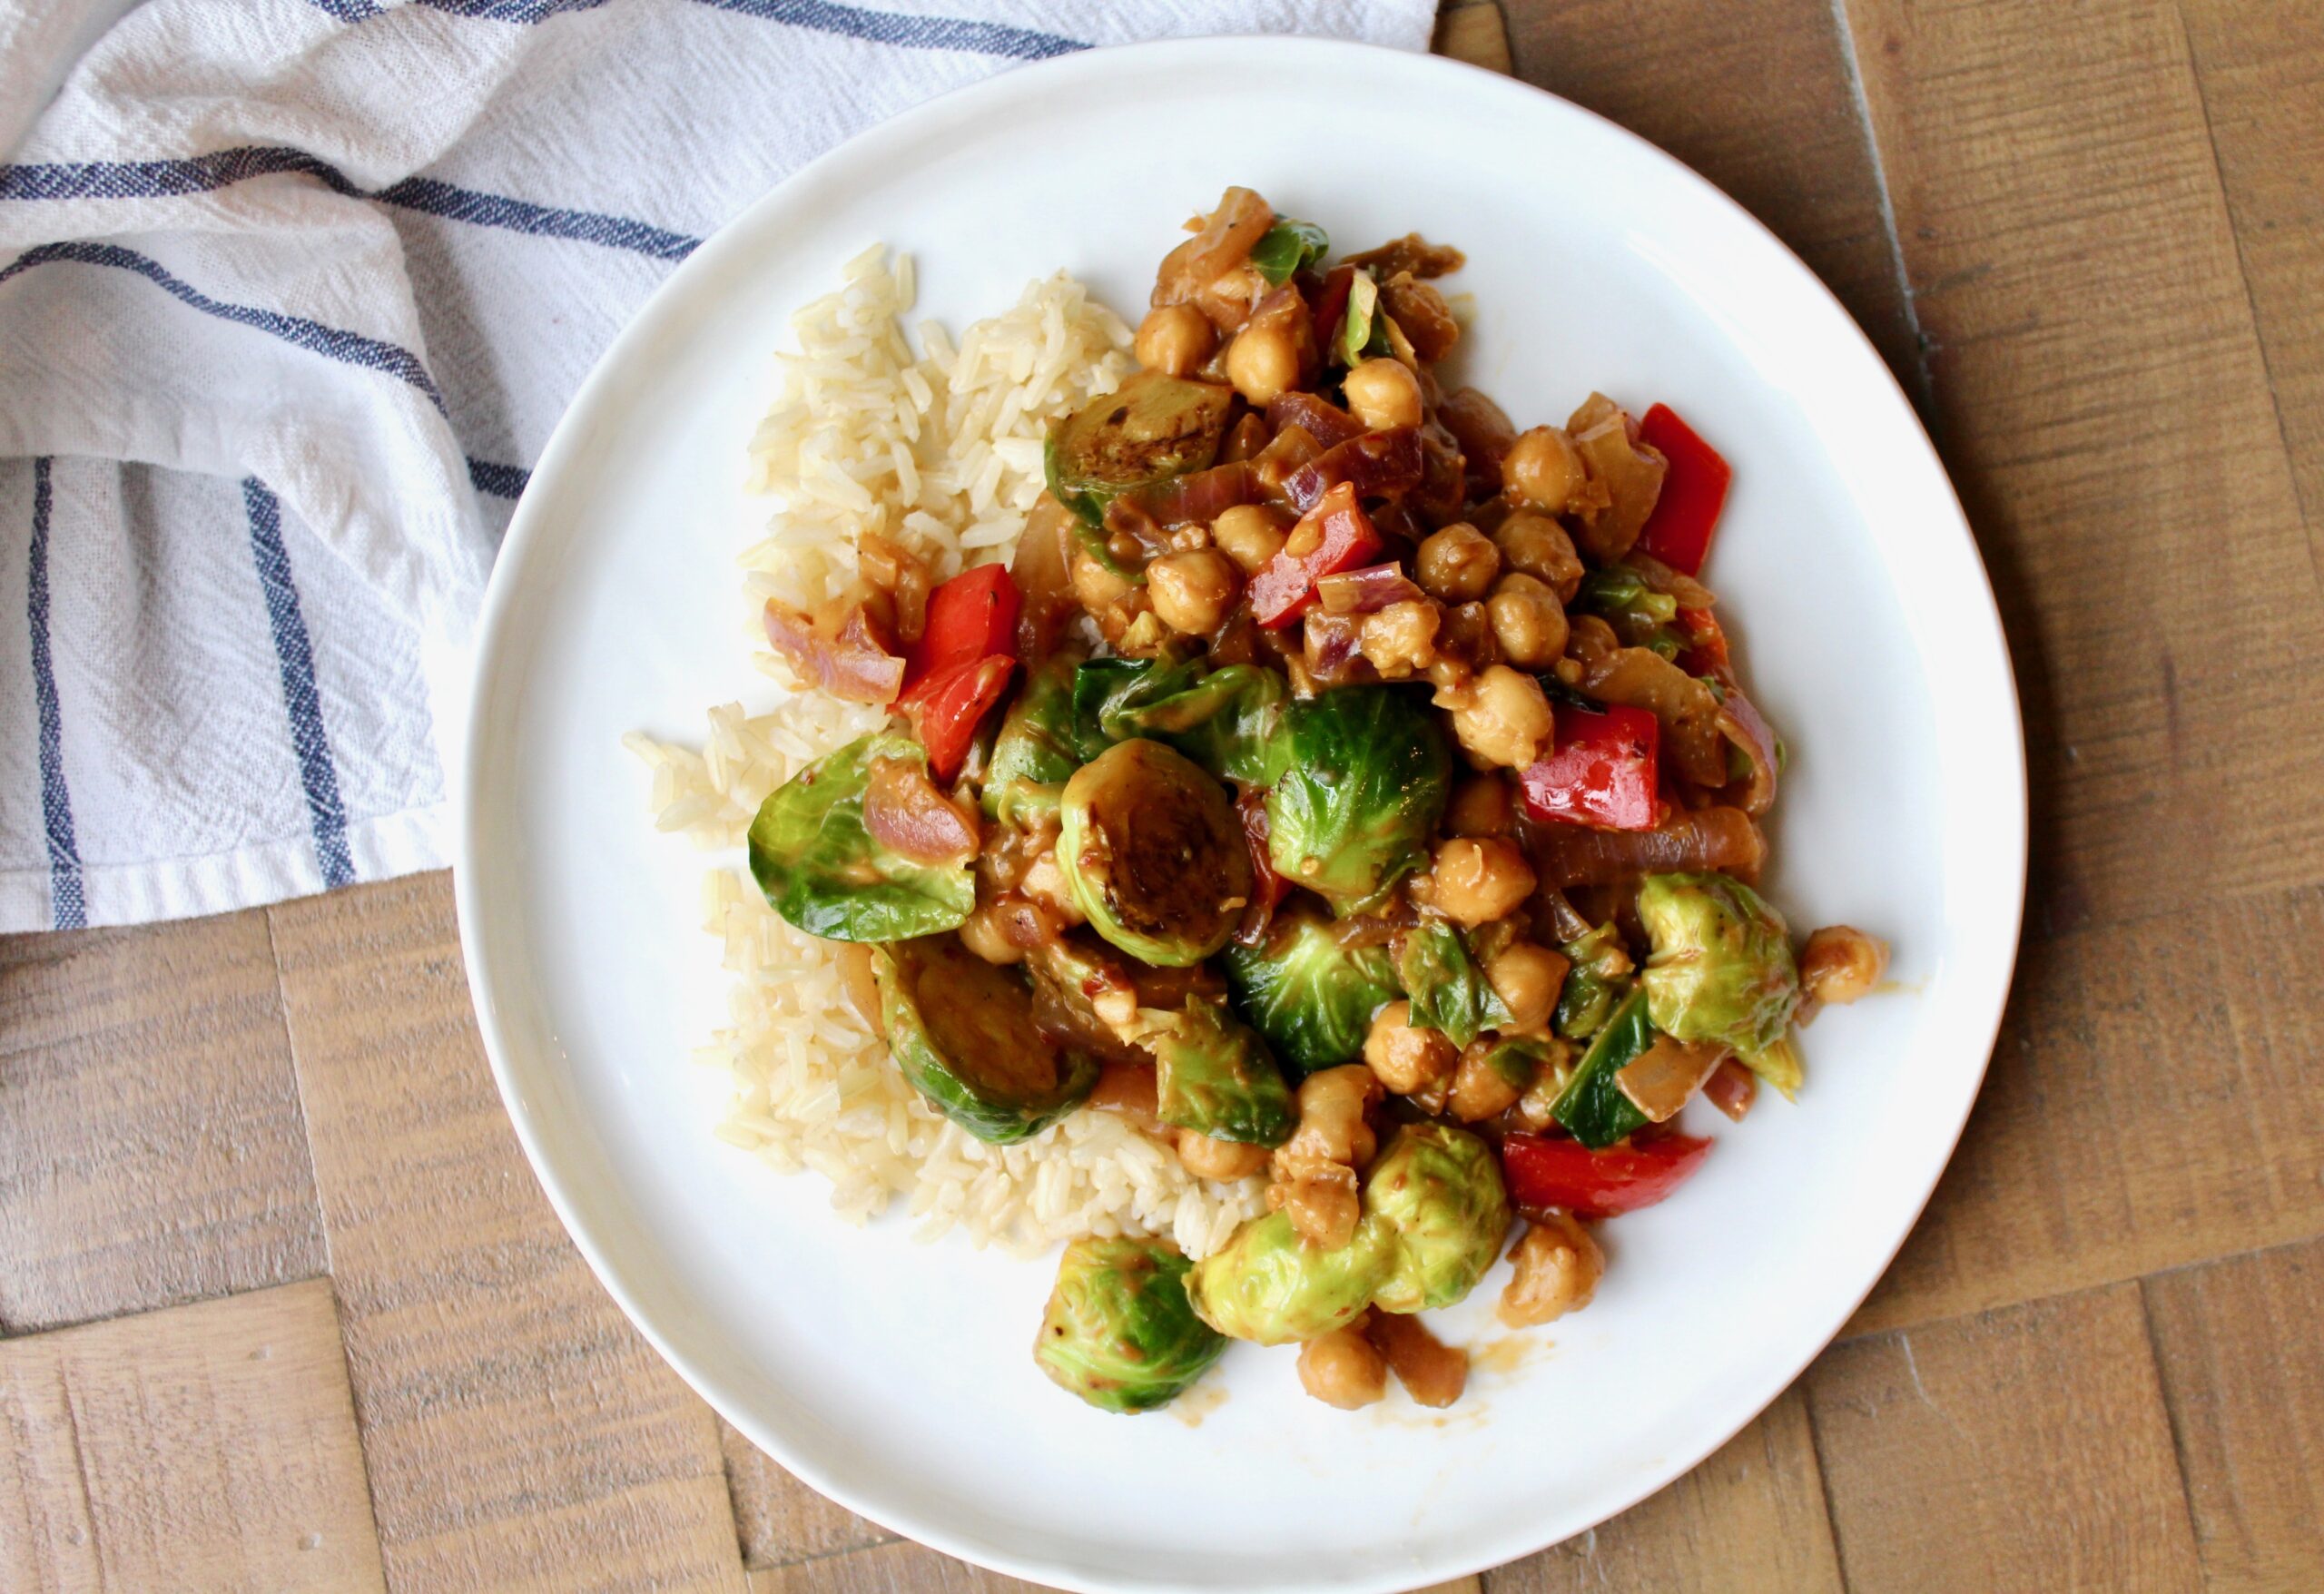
[{"x": 940, "y": 451}]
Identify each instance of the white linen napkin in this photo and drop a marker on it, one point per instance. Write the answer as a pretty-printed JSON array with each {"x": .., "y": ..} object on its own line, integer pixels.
[{"x": 292, "y": 293}]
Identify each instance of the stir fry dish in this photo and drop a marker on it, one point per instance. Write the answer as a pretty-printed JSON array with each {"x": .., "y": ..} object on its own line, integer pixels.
[{"x": 1344, "y": 788}]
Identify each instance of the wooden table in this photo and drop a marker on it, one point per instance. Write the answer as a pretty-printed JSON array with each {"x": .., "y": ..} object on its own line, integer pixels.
[{"x": 285, "y": 1309}]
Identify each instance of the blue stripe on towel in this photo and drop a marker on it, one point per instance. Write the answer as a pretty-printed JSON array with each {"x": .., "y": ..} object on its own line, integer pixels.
[
  {"x": 68, "y": 910},
  {"x": 72, "y": 179},
  {"x": 351, "y": 348},
  {"x": 295, "y": 657},
  {"x": 915, "y": 33},
  {"x": 502, "y": 481}
]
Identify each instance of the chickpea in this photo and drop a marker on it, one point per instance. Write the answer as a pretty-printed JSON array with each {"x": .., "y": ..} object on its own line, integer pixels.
[
  {"x": 1527, "y": 977},
  {"x": 1175, "y": 338},
  {"x": 1193, "y": 591},
  {"x": 1528, "y": 621},
  {"x": 1557, "y": 1267},
  {"x": 1250, "y": 534},
  {"x": 1479, "y": 1090},
  {"x": 1331, "y": 1106},
  {"x": 1263, "y": 362},
  {"x": 1324, "y": 1201},
  {"x": 1539, "y": 546},
  {"x": 1401, "y": 639},
  {"x": 1432, "y": 1373},
  {"x": 1544, "y": 469},
  {"x": 1383, "y": 393},
  {"x": 1476, "y": 880},
  {"x": 1840, "y": 964},
  {"x": 1207, "y": 1158},
  {"x": 1404, "y": 1058},
  {"x": 1342, "y": 1368},
  {"x": 1044, "y": 882},
  {"x": 1457, "y": 564},
  {"x": 986, "y": 935},
  {"x": 1095, "y": 587},
  {"x": 1481, "y": 805},
  {"x": 1503, "y": 717}
]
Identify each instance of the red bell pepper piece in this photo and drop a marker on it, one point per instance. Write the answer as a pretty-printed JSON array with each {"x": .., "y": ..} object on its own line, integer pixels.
[
  {"x": 1337, "y": 535},
  {"x": 1598, "y": 1183},
  {"x": 1679, "y": 531},
  {"x": 947, "y": 708},
  {"x": 970, "y": 617},
  {"x": 1601, "y": 770},
  {"x": 1706, "y": 653}
]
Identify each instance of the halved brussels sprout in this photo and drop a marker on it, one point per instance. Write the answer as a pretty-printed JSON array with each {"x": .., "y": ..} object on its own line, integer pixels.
[
  {"x": 1439, "y": 1191},
  {"x": 1311, "y": 991},
  {"x": 1722, "y": 970},
  {"x": 1228, "y": 721},
  {"x": 961, "y": 1031},
  {"x": 1365, "y": 779},
  {"x": 822, "y": 870},
  {"x": 1213, "y": 1075},
  {"x": 1448, "y": 991},
  {"x": 1035, "y": 753},
  {"x": 1120, "y": 1331},
  {"x": 1154, "y": 427},
  {"x": 1270, "y": 1286},
  {"x": 1154, "y": 854}
]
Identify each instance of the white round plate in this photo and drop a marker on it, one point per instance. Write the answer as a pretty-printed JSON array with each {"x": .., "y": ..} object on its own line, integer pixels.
[{"x": 896, "y": 1377}]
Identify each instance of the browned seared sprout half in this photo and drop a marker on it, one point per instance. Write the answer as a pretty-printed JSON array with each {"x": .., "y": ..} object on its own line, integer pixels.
[{"x": 1154, "y": 854}]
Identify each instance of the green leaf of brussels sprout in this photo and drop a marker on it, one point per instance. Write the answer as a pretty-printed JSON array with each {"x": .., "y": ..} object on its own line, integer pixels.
[
  {"x": 1364, "y": 330},
  {"x": 1286, "y": 247},
  {"x": 1721, "y": 970},
  {"x": 1120, "y": 1331},
  {"x": 1213, "y": 1075},
  {"x": 1309, "y": 991},
  {"x": 1365, "y": 775},
  {"x": 1154, "y": 427},
  {"x": 1154, "y": 853},
  {"x": 1599, "y": 978},
  {"x": 1448, "y": 991},
  {"x": 961, "y": 1031},
  {"x": 822, "y": 870},
  {"x": 1593, "y": 1106},
  {"x": 1229, "y": 721},
  {"x": 1270, "y": 1286},
  {"x": 1519, "y": 1059},
  {"x": 1440, "y": 1190},
  {"x": 1037, "y": 751}
]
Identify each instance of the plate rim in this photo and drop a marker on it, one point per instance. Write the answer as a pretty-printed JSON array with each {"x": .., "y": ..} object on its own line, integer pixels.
[{"x": 527, "y": 537}]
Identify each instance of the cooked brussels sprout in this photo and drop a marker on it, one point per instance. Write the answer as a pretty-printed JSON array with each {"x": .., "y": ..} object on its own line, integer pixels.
[
  {"x": 1641, "y": 616},
  {"x": 1721, "y": 970},
  {"x": 1520, "y": 1059},
  {"x": 1448, "y": 991},
  {"x": 1593, "y": 1107},
  {"x": 1271, "y": 1287},
  {"x": 961, "y": 1031},
  {"x": 822, "y": 870},
  {"x": 1154, "y": 427},
  {"x": 1120, "y": 1331},
  {"x": 1036, "y": 751},
  {"x": 1286, "y": 247},
  {"x": 1439, "y": 1191},
  {"x": 1213, "y": 1075},
  {"x": 1365, "y": 779},
  {"x": 1154, "y": 854},
  {"x": 1599, "y": 978},
  {"x": 1228, "y": 721},
  {"x": 1310, "y": 991}
]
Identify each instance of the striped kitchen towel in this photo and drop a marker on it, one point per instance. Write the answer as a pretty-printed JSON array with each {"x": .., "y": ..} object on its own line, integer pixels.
[{"x": 292, "y": 292}]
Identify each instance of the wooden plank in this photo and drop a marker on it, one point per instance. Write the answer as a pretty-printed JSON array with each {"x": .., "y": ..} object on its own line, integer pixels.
[
  {"x": 905, "y": 1568},
  {"x": 1750, "y": 1518},
  {"x": 2025, "y": 1449},
  {"x": 519, "y": 1432},
  {"x": 2154, "y": 1101},
  {"x": 779, "y": 1518},
  {"x": 2242, "y": 1365},
  {"x": 2101, "y": 397},
  {"x": 206, "y": 1446},
  {"x": 151, "y": 1149},
  {"x": 2260, "y": 68},
  {"x": 1765, "y": 106},
  {"x": 1473, "y": 30}
]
